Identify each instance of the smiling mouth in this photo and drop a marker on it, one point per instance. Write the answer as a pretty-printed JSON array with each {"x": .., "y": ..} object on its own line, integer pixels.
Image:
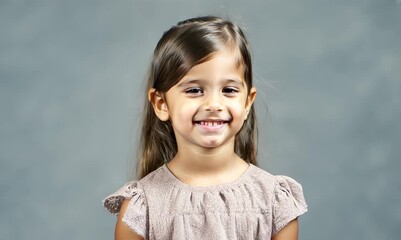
[{"x": 211, "y": 123}]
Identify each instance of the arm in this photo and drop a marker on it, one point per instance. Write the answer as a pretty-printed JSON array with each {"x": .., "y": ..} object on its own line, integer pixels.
[
  {"x": 289, "y": 232},
  {"x": 122, "y": 231}
]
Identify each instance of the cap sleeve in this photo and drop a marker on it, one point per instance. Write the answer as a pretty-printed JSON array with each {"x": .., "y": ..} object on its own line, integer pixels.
[
  {"x": 136, "y": 213},
  {"x": 289, "y": 202}
]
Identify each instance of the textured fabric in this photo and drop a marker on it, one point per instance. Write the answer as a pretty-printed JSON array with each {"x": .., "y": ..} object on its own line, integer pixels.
[{"x": 255, "y": 206}]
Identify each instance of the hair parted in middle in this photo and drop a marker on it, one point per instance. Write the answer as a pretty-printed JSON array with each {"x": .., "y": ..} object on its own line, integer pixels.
[{"x": 183, "y": 46}]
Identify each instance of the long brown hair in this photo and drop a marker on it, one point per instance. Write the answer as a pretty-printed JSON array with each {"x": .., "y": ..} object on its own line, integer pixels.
[{"x": 183, "y": 46}]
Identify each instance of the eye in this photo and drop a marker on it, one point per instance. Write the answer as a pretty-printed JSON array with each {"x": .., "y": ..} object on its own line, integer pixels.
[
  {"x": 230, "y": 90},
  {"x": 194, "y": 91}
]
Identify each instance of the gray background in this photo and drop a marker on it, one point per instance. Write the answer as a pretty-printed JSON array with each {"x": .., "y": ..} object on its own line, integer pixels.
[{"x": 71, "y": 80}]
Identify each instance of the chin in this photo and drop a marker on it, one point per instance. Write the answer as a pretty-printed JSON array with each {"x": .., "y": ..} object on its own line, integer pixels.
[
  {"x": 213, "y": 144},
  {"x": 210, "y": 145}
]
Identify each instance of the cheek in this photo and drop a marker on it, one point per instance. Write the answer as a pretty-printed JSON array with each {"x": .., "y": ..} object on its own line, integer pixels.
[
  {"x": 184, "y": 113},
  {"x": 238, "y": 108}
]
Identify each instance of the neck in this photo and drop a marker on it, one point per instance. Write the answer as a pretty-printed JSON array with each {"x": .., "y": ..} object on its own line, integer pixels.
[
  {"x": 206, "y": 160},
  {"x": 192, "y": 164}
]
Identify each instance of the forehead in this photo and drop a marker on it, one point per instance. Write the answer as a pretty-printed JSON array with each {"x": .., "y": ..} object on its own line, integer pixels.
[{"x": 221, "y": 64}]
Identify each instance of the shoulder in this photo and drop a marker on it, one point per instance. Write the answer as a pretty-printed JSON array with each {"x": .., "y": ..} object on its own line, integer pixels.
[
  {"x": 262, "y": 179},
  {"x": 260, "y": 173},
  {"x": 114, "y": 201},
  {"x": 156, "y": 177},
  {"x": 132, "y": 190},
  {"x": 289, "y": 187},
  {"x": 275, "y": 183}
]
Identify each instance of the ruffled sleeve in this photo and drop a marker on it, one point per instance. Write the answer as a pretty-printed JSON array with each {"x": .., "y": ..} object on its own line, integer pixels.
[
  {"x": 136, "y": 213},
  {"x": 289, "y": 202}
]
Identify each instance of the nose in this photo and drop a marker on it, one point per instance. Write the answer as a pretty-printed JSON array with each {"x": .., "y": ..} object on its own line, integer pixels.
[{"x": 213, "y": 103}]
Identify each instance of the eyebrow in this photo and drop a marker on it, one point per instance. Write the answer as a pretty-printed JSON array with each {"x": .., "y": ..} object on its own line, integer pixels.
[
  {"x": 189, "y": 82},
  {"x": 198, "y": 81}
]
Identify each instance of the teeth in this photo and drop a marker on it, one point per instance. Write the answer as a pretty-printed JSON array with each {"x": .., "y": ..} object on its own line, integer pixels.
[{"x": 211, "y": 124}]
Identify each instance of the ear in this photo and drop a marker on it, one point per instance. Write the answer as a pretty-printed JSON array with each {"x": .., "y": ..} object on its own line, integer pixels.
[
  {"x": 249, "y": 101},
  {"x": 159, "y": 104}
]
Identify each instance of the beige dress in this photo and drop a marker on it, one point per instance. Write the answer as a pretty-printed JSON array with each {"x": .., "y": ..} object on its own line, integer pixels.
[{"x": 255, "y": 206}]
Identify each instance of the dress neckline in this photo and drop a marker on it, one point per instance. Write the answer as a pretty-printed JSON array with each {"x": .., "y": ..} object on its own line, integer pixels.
[{"x": 180, "y": 183}]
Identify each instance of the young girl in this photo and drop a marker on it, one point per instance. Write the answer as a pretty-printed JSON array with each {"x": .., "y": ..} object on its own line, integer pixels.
[{"x": 198, "y": 172}]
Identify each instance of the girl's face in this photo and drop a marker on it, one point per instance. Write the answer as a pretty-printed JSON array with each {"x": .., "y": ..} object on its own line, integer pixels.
[{"x": 209, "y": 105}]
